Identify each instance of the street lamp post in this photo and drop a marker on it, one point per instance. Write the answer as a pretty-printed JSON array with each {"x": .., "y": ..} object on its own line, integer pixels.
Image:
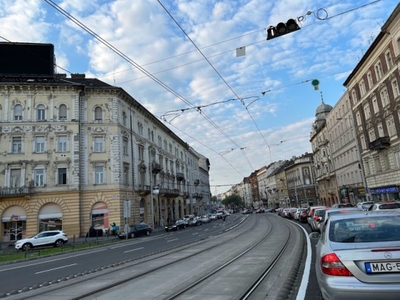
[{"x": 361, "y": 165}]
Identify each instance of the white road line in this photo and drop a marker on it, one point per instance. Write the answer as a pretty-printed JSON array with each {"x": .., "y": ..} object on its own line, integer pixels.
[
  {"x": 301, "y": 294},
  {"x": 172, "y": 240},
  {"x": 49, "y": 270},
  {"x": 133, "y": 250}
]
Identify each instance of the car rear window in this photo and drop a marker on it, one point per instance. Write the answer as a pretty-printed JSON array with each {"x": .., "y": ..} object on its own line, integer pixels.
[{"x": 366, "y": 229}]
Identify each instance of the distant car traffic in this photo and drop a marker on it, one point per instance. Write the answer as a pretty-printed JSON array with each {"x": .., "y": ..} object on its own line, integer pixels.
[
  {"x": 358, "y": 257},
  {"x": 136, "y": 230},
  {"x": 55, "y": 238},
  {"x": 385, "y": 205},
  {"x": 205, "y": 219},
  {"x": 247, "y": 211}
]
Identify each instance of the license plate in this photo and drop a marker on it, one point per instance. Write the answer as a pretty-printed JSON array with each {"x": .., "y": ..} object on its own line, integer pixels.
[{"x": 382, "y": 267}]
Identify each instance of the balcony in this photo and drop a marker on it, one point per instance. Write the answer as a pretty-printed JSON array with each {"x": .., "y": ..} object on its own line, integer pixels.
[
  {"x": 156, "y": 168},
  {"x": 144, "y": 190},
  {"x": 179, "y": 176},
  {"x": 15, "y": 191},
  {"x": 380, "y": 143},
  {"x": 198, "y": 195},
  {"x": 169, "y": 192}
]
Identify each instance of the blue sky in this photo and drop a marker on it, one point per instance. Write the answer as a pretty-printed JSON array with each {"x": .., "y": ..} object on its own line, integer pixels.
[{"x": 255, "y": 108}]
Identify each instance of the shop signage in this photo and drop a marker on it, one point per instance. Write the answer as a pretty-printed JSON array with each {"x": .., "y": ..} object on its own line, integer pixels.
[{"x": 390, "y": 189}]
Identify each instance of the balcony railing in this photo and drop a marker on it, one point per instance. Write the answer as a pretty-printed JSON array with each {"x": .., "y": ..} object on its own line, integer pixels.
[
  {"x": 169, "y": 192},
  {"x": 15, "y": 191},
  {"x": 156, "y": 168},
  {"x": 198, "y": 195},
  {"x": 144, "y": 190},
  {"x": 179, "y": 176},
  {"x": 380, "y": 143}
]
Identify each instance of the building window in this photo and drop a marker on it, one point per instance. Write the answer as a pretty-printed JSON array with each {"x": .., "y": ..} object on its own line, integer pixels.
[
  {"x": 141, "y": 153},
  {"x": 62, "y": 143},
  {"x": 126, "y": 174},
  {"x": 18, "y": 112},
  {"x": 15, "y": 177},
  {"x": 98, "y": 144},
  {"x": 377, "y": 162},
  {"x": 358, "y": 118},
  {"x": 386, "y": 161},
  {"x": 380, "y": 130},
  {"x": 384, "y": 97},
  {"x": 397, "y": 159},
  {"x": 124, "y": 118},
  {"x": 98, "y": 114},
  {"x": 391, "y": 126},
  {"x": 39, "y": 144},
  {"x": 99, "y": 174},
  {"x": 372, "y": 136},
  {"x": 125, "y": 146},
  {"x": 367, "y": 112},
  {"x": 395, "y": 87},
  {"x": 354, "y": 96},
  {"x": 62, "y": 112},
  {"x": 375, "y": 105},
  {"x": 40, "y": 112},
  {"x": 370, "y": 81},
  {"x": 140, "y": 128},
  {"x": 62, "y": 176},
  {"x": 165, "y": 145},
  {"x": 362, "y": 88},
  {"x": 389, "y": 60},
  {"x": 159, "y": 141},
  {"x": 38, "y": 177},
  {"x": 378, "y": 70},
  {"x": 363, "y": 143},
  {"x": 16, "y": 146}
]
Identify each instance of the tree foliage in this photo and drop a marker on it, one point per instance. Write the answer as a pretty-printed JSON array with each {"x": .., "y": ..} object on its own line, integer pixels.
[{"x": 233, "y": 200}]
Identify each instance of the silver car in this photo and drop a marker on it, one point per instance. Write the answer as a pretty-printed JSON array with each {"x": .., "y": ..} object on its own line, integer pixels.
[{"x": 358, "y": 256}]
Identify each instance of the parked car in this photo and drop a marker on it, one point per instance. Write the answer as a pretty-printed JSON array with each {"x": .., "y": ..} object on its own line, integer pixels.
[
  {"x": 385, "y": 205},
  {"x": 357, "y": 256},
  {"x": 195, "y": 221},
  {"x": 55, "y": 238},
  {"x": 179, "y": 224},
  {"x": 205, "y": 219},
  {"x": 212, "y": 217},
  {"x": 247, "y": 211},
  {"x": 136, "y": 230},
  {"x": 310, "y": 212}
]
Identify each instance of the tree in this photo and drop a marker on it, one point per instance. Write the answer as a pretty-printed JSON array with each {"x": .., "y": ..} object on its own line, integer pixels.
[{"x": 233, "y": 201}]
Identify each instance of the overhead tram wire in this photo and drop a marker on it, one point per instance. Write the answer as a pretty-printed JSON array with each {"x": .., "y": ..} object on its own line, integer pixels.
[{"x": 140, "y": 68}]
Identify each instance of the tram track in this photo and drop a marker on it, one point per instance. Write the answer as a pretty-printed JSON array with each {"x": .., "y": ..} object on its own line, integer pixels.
[{"x": 130, "y": 273}]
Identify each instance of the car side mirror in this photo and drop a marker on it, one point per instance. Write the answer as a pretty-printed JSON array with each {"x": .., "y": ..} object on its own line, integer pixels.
[{"x": 314, "y": 235}]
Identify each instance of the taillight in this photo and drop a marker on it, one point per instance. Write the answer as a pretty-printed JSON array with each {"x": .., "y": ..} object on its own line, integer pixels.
[{"x": 331, "y": 265}]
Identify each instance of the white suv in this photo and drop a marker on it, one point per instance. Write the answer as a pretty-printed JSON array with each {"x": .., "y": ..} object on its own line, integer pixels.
[{"x": 55, "y": 238}]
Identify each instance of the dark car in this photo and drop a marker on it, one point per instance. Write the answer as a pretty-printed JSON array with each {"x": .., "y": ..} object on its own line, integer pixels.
[
  {"x": 136, "y": 230},
  {"x": 180, "y": 224},
  {"x": 196, "y": 221}
]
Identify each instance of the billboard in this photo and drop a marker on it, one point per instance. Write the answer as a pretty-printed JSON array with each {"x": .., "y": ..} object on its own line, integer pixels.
[{"x": 26, "y": 60}]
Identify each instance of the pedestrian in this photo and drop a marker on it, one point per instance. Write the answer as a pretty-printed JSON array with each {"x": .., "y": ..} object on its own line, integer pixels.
[{"x": 223, "y": 218}]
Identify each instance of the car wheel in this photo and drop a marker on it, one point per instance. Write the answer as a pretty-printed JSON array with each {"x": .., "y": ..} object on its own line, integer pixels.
[
  {"x": 58, "y": 243},
  {"x": 147, "y": 233},
  {"x": 132, "y": 235},
  {"x": 26, "y": 247}
]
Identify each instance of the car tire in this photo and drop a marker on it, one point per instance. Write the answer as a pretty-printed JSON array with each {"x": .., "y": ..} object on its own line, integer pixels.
[
  {"x": 132, "y": 235},
  {"x": 59, "y": 243},
  {"x": 26, "y": 247},
  {"x": 147, "y": 233}
]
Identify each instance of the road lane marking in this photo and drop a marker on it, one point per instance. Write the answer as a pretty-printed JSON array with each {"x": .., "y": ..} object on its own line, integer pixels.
[
  {"x": 172, "y": 240},
  {"x": 53, "y": 269},
  {"x": 133, "y": 250}
]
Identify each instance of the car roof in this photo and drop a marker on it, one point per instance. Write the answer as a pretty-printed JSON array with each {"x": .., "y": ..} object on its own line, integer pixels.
[{"x": 362, "y": 214}]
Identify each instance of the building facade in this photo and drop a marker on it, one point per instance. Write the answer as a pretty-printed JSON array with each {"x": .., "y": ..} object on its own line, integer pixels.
[{"x": 79, "y": 153}]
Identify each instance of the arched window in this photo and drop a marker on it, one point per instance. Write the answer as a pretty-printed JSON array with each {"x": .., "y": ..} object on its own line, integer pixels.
[
  {"x": 62, "y": 112},
  {"x": 98, "y": 114},
  {"x": 40, "y": 112},
  {"x": 124, "y": 118},
  {"x": 18, "y": 112}
]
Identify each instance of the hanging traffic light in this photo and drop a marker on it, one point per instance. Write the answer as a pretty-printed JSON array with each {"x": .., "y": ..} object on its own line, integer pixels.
[{"x": 282, "y": 29}]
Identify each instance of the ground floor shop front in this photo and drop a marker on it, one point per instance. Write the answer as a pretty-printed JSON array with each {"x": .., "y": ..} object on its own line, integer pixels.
[{"x": 79, "y": 213}]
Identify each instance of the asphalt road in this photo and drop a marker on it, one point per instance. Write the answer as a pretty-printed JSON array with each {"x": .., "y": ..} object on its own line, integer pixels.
[{"x": 17, "y": 276}]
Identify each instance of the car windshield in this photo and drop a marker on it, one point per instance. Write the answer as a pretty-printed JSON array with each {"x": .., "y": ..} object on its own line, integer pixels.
[{"x": 365, "y": 229}]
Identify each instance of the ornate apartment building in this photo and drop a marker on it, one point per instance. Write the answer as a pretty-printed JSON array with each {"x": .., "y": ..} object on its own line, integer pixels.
[
  {"x": 374, "y": 94},
  {"x": 77, "y": 152}
]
